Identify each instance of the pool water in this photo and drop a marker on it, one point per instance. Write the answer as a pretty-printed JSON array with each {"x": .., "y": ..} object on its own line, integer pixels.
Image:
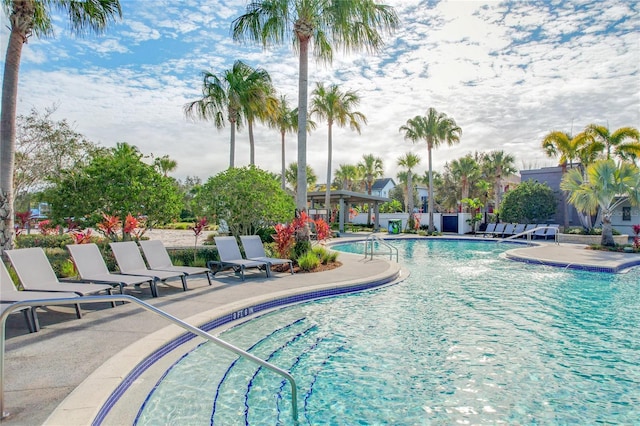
[{"x": 467, "y": 338}]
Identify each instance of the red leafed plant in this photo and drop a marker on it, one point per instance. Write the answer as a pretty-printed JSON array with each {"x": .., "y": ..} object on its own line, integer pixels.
[
  {"x": 197, "y": 229},
  {"x": 47, "y": 228},
  {"x": 134, "y": 227},
  {"x": 636, "y": 239},
  {"x": 285, "y": 239},
  {"x": 22, "y": 221},
  {"x": 110, "y": 226},
  {"x": 323, "y": 231},
  {"x": 81, "y": 237}
]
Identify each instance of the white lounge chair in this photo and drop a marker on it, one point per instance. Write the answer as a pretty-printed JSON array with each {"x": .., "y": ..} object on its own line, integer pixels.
[
  {"x": 540, "y": 231},
  {"x": 9, "y": 294},
  {"x": 254, "y": 250},
  {"x": 130, "y": 262},
  {"x": 508, "y": 230},
  {"x": 491, "y": 227},
  {"x": 552, "y": 231},
  {"x": 91, "y": 267},
  {"x": 230, "y": 257},
  {"x": 519, "y": 229},
  {"x": 158, "y": 258},
  {"x": 36, "y": 274},
  {"x": 499, "y": 229}
]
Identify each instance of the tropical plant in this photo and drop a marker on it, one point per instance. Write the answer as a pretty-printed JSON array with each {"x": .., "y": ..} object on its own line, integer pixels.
[
  {"x": 434, "y": 128},
  {"x": 336, "y": 107},
  {"x": 239, "y": 92},
  {"x": 291, "y": 176},
  {"x": 370, "y": 169},
  {"x": 351, "y": 25},
  {"x": 466, "y": 170},
  {"x": 607, "y": 186},
  {"x": 476, "y": 217},
  {"x": 636, "y": 236},
  {"x": 624, "y": 141},
  {"x": 247, "y": 198},
  {"x": 285, "y": 119},
  {"x": 497, "y": 165},
  {"x": 28, "y": 18},
  {"x": 347, "y": 177},
  {"x": 165, "y": 164},
  {"x": 408, "y": 162},
  {"x": 198, "y": 228},
  {"x": 529, "y": 202}
]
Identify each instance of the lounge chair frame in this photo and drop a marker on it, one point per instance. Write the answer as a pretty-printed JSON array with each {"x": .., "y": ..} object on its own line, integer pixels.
[
  {"x": 231, "y": 258},
  {"x": 254, "y": 250}
]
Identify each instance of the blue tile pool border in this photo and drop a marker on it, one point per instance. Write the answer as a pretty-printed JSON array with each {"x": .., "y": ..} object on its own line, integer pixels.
[{"x": 158, "y": 354}]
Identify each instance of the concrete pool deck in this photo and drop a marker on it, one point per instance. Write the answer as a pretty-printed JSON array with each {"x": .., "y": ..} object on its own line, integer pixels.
[{"x": 64, "y": 373}]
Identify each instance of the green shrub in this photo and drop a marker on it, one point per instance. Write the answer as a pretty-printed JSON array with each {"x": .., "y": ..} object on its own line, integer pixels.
[
  {"x": 308, "y": 261},
  {"x": 44, "y": 241},
  {"x": 185, "y": 256},
  {"x": 301, "y": 248},
  {"x": 68, "y": 269},
  {"x": 324, "y": 256}
]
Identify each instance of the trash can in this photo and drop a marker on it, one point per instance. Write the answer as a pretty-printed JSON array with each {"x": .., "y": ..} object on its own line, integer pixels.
[{"x": 395, "y": 225}]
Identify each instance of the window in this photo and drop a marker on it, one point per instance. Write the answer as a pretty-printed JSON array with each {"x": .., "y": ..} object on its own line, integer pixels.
[{"x": 626, "y": 213}]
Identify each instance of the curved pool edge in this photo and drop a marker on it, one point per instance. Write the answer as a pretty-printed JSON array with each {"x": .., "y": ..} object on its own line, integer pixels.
[{"x": 92, "y": 401}]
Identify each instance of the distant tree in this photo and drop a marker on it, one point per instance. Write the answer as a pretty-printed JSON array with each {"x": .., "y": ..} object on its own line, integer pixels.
[
  {"x": 115, "y": 183},
  {"x": 45, "y": 147},
  {"x": 291, "y": 176},
  {"x": 435, "y": 128},
  {"x": 319, "y": 27},
  {"x": 607, "y": 186},
  {"x": 370, "y": 168},
  {"x": 467, "y": 171},
  {"x": 247, "y": 198},
  {"x": 408, "y": 162},
  {"x": 28, "y": 18},
  {"x": 336, "y": 107},
  {"x": 347, "y": 177},
  {"x": 498, "y": 165},
  {"x": 165, "y": 164},
  {"x": 529, "y": 202},
  {"x": 285, "y": 119}
]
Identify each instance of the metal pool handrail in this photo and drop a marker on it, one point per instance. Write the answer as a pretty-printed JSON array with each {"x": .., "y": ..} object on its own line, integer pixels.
[
  {"x": 374, "y": 238},
  {"x": 150, "y": 308},
  {"x": 529, "y": 233}
]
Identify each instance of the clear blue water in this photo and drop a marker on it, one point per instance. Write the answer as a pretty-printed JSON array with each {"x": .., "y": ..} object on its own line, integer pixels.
[{"x": 467, "y": 338}]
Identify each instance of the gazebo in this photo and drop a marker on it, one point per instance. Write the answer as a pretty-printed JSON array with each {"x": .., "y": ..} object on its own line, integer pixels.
[{"x": 343, "y": 198}]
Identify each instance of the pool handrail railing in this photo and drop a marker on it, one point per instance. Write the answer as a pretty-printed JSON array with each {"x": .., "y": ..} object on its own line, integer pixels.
[
  {"x": 125, "y": 298},
  {"x": 370, "y": 243}
]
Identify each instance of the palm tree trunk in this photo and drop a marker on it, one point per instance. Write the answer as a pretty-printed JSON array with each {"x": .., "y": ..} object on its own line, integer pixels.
[
  {"x": 607, "y": 231},
  {"x": 409, "y": 192},
  {"x": 301, "y": 195},
  {"x": 431, "y": 203},
  {"x": 283, "y": 180},
  {"x": 8, "y": 136},
  {"x": 252, "y": 144},
  {"x": 232, "y": 145},
  {"x": 327, "y": 196}
]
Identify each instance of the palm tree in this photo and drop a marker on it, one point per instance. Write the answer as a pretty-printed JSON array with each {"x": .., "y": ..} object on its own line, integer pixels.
[
  {"x": 370, "y": 169},
  {"x": 625, "y": 141},
  {"x": 498, "y": 164},
  {"x": 337, "y": 108},
  {"x": 466, "y": 170},
  {"x": 291, "y": 176},
  {"x": 351, "y": 25},
  {"x": 285, "y": 120},
  {"x": 409, "y": 161},
  {"x": 27, "y": 18},
  {"x": 346, "y": 176},
  {"x": 569, "y": 149},
  {"x": 240, "y": 92},
  {"x": 165, "y": 164},
  {"x": 435, "y": 128},
  {"x": 607, "y": 186}
]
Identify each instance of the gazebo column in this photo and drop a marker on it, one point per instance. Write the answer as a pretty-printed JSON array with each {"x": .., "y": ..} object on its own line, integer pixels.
[
  {"x": 341, "y": 216},
  {"x": 376, "y": 212}
]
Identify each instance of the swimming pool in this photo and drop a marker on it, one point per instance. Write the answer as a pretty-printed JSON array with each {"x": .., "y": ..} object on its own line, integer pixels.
[{"x": 468, "y": 337}]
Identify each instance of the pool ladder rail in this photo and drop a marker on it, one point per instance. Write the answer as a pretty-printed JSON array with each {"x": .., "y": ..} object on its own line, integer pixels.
[
  {"x": 125, "y": 298},
  {"x": 529, "y": 233},
  {"x": 373, "y": 242}
]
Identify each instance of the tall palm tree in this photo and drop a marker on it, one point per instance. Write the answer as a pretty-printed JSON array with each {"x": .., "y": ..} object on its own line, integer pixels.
[
  {"x": 370, "y": 169},
  {"x": 291, "y": 176},
  {"x": 625, "y": 141},
  {"x": 239, "y": 92},
  {"x": 466, "y": 170},
  {"x": 27, "y": 18},
  {"x": 569, "y": 149},
  {"x": 347, "y": 176},
  {"x": 434, "y": 128},
  {"x": 498, "y": 165},
  {"x": 322, "y": 25},
  {"x": 335, "y": 106},
  {"x": 606, "y": 187},
  {"x": 409, "y": 161}
]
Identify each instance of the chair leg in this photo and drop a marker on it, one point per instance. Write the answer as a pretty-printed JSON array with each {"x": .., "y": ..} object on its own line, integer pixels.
[
  {"x": 113, "y": 304},
  {"x": 29, "y": 319},
  {"x": 154, "y": 288},
  {"x": 184, "y": 282},
  {"x": 78, "y": 311},
  {"x": 34, "y": 318},
  {"x": 291, "y": 266},
  {"x": 209, "y": 277}
]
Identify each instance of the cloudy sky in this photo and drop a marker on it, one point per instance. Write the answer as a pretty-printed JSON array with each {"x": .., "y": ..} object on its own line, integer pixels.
[{"x": 507, "y": 72}]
